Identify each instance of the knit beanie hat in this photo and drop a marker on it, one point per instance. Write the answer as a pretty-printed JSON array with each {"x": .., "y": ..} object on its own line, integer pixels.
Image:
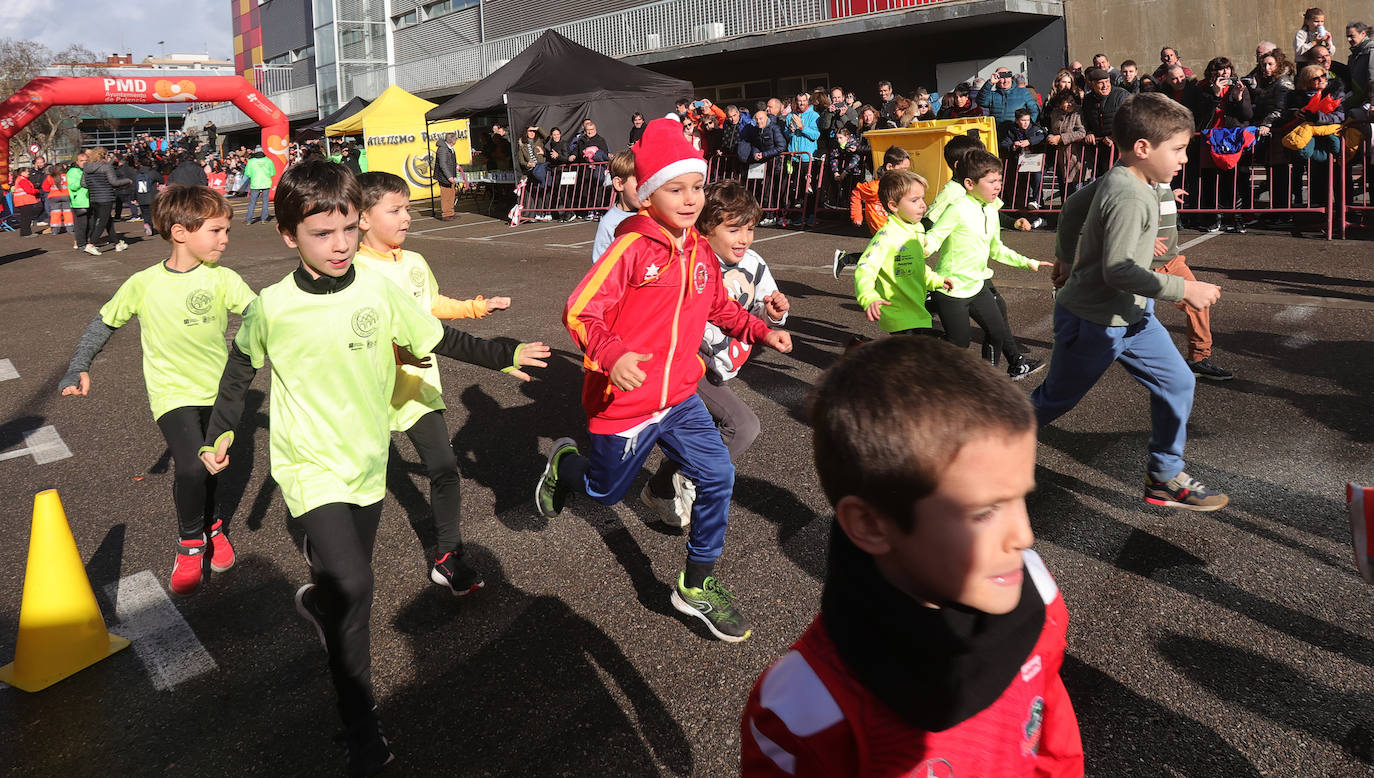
[{"x": 662, "y": 154}]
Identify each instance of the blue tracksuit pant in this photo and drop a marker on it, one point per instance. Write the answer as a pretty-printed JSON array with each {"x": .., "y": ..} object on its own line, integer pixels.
[
  {"x": 688, "y": 436},
  {"x": 1082, "y": 353}
]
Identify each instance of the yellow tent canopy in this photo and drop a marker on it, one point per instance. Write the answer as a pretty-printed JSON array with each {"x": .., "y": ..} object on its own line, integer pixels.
[{"x": 394, "y": 102}]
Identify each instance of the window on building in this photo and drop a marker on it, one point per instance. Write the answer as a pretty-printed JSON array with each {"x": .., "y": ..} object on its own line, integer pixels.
[
  {"x": 724, "y": 94},
  {"x": 793, "y": 85},
  {"x": 446, "y": 7},
  {"x": 408, "y": 19}
]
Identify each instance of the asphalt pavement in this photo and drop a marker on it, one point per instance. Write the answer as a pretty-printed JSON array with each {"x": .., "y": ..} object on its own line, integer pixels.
[{"x": 1235, "y": 643}]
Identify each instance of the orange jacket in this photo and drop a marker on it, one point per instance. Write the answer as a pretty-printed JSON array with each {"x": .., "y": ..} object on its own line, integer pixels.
[{"x": 864, "y": 207}]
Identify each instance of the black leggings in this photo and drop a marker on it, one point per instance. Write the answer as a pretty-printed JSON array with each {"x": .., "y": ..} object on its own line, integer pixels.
[
  {"x": 430, "y": 436},
  {"x": 955, "y": 313},
  {"x": 100, "y": 221},
  {"x": 81, "y": 222},
  {"x": 341, "y": 537},
  {"x": 193, "y": 488}
]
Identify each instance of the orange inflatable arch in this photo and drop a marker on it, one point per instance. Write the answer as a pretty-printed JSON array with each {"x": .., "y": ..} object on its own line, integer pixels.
[{"x": 41, "y": 94}]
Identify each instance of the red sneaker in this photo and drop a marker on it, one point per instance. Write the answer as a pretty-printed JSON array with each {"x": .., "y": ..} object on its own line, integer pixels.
[
  {"x": 189, "y": 567},
  {"x": 221, "y": 552}
]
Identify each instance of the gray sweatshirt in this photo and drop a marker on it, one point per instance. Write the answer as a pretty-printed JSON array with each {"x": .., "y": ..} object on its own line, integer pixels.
[{"x": 1119, "y": 218}]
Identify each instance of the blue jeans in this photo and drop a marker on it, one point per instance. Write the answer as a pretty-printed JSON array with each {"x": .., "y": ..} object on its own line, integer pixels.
[
  {"x": 689, "y": 436},
  {"x": 254, "y": 195},
  {"x": 1084, "y": 350}
]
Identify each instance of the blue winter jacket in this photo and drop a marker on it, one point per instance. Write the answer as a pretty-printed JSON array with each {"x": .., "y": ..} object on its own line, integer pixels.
[
  {"x": 804, "y": 139},
  {"x": 1002, "y": 104}
]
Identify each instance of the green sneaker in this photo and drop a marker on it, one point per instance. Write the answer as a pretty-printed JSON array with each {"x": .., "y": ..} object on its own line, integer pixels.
[
  {"x": 548, "y": 498},
  {"x": 713, "y": 605}
]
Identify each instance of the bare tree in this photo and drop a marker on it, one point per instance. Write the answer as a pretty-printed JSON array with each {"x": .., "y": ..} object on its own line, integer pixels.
[{"x": 22, "y": 61}]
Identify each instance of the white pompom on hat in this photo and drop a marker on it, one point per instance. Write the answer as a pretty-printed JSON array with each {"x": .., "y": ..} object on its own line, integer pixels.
[{"x": 662, "y": 154}]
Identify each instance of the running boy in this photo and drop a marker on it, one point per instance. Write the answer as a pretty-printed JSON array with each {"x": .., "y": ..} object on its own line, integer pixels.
[
  {"x": 182, "y": 305},
  {"x": 967, "y": 235},
  {"x": 866, "y": 206},
  {"x": 626, "y": 202},
  {"x": 940, "y": 637},
  {"x": 328, "y": 329},
  {"x": 892, "y": 278},
  {"x": 1105, "y": 311},
  {"x": 639, "y": 315},
  {"x": 417, "y": 402},
  {"x": 727, "y": 222}
]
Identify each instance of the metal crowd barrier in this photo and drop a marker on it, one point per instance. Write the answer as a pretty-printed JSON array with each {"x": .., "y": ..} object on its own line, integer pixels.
[{"x": 577, "y": 189}]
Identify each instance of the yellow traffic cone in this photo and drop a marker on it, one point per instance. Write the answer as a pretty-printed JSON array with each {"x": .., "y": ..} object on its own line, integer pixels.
[{"x": 61, "y": 630}]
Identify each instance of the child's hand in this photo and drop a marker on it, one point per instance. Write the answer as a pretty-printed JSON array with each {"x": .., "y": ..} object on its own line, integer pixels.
[
  {"x": 218, "y": 459},
  {"x": 82, "y": 388},
  {"x": 874, "y": 311},
  {"x": 1161, "y": 247},
  {"x": 530, "y": 355},
  {"x": 779, "y": 340},
  {"x": 776, "y": 306},
  {"x": 404, "y": 357},
  {"x": 497, "y": 303},
  {"x": 625, "y": 373},
  {"x": 947, "y": 284},
  {"x": 1035, "y": 265},
  {"x": 1179, "y": 194},
  {"x": 1023, "y": 224},
  {"x": 1199, "y": 294}
]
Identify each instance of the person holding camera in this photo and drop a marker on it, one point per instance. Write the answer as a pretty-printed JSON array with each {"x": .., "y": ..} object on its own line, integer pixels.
[{"x": 1221, "y": 101}]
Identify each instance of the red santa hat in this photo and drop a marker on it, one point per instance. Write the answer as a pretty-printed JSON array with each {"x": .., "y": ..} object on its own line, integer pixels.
[{"x": 662, "y": 154}]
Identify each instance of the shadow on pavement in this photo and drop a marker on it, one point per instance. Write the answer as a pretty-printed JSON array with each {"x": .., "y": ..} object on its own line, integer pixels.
[
  {"x": 541, "y": 696},
  {"x": 1321, "y": 711},
  {"x": 1125, "y": 734}
]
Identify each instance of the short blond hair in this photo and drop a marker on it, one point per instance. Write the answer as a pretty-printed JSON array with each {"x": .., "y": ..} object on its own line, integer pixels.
[
  {"x": 894, "y": 185},
  {"x": 189, "y": 206}
]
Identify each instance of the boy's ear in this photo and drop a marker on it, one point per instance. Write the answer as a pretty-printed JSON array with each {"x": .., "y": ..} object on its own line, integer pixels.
[
  {"x": 867, "y": 527},
  {"x": 289, "y": 238},
  {"x": 618, "y": 183},
  {"x": 362, "y": 221},
  {"x": 970, "y": 184},
  {"x": 179, "y": 233}
]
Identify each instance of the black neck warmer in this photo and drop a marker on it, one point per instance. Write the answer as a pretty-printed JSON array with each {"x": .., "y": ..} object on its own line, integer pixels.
[
  {"x": 934, "y": 667},
  {"x": 323, "y": 284}
]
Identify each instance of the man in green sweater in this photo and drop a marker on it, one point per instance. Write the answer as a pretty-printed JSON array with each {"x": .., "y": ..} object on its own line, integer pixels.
[
  {"x": 1105, "y": 311},
  {"x": 259, "y": 171}
]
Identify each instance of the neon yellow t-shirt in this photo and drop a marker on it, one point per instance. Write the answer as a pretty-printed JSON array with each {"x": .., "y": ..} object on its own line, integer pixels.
[
  {"x": 333, "y": 371},
  {"x": 183, "y": 317},
  {"x": 417, "y": 390}
]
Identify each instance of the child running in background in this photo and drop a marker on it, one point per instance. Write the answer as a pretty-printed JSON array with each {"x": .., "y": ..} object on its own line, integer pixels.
[
  {"x": 417, "y": 402},
  {"x": 639, "y": 315},
  {"x": 892, "y": 279},
  {"x": 329, "y": 329},
  {"x": 968, "y": 234},
  {"x": 1105, "y": 311},
  {"x": 866, "y": 207},
  {"x": 727, "y": 222},
  {"x": 941, "y": 634},
  {"x": 626, "y": 201},
  {"x": 183, "y": 306}
]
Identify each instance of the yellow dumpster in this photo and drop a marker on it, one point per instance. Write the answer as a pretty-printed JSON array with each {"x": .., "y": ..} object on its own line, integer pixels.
[{"x": 925, "y": 142}]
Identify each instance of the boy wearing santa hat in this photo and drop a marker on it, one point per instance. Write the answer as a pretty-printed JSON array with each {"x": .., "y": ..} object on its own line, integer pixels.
[{"x": 638, "y": 316}]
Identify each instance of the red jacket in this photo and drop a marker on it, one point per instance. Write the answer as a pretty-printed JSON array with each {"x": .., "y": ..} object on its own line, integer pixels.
[
  {"x": 645, "y": 295},
  {"x": 809, "y": 717}
]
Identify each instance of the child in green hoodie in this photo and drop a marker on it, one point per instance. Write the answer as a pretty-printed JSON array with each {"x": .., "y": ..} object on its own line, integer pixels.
[
  {"x": 968, "y": 234},
  {"x": 892, "y": 279}
]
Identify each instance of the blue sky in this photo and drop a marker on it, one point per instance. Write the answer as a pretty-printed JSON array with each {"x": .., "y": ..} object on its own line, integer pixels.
[{"x": 187, "y": 26}]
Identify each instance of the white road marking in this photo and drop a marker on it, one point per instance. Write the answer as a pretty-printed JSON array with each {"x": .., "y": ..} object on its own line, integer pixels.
[
  {"x": 43, "y": 444},
  {"x": 527, "y": 232},
  {"x": 163, "y": 640},
  {"x": 577, "y": 245},
  {"x": 7, "y": 371},
  {"x": 454, "y": 227},
  {"x": 1294, "y": 314},
  {"x": 1199, "y": 239},
  {"x": 784, "y": 235}
]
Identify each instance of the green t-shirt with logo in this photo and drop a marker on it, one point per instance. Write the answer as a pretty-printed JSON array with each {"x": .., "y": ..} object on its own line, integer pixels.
[
  {"x": 182, "y": 318},
  {"x": 333, "y": 371},
  {"x": 417, "y": 389}
]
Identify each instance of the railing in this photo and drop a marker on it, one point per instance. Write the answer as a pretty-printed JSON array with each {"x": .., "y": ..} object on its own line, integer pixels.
[
  {"x": 669, "y": 24},
  {"x": 1263, "y": 181},
  {"x": 1357, "y": 190},
  {"x": 227, "y": 117},
  {"x": 271, "y": 79}
]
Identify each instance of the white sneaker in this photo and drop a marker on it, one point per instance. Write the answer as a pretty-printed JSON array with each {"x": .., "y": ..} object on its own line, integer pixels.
[
  {"x": 665, "y": 509},
  {"x": 685, "y": 494},
  {"x": 121, "y": 246},
  {"x": 92, "y": 250}
]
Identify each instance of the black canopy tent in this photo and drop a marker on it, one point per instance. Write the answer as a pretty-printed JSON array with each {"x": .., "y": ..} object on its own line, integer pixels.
[
  {"x": 558, "y": 83},
  {"x": 315, "y": 130}
]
